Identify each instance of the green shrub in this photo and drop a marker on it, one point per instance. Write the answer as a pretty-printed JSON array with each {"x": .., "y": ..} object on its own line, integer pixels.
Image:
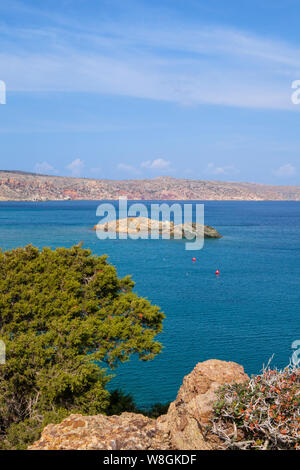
[
  {"x": 119, "y": 402},
  {"x": 156, "y": 410},
  {"x": 20, "y": 435}
]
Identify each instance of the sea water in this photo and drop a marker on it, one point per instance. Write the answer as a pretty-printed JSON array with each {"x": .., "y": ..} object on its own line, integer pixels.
[{"x": 247, "y": 314}]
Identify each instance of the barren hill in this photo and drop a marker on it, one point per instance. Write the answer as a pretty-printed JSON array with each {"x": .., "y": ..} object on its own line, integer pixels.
[{"x": 20, "y": 186}]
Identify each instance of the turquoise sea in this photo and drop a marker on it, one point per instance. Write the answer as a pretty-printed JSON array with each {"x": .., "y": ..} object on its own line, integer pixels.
[{"x": 247, "y": 314}]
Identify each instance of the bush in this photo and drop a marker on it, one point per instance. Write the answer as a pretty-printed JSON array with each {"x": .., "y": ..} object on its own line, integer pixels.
[
  {"x": 156, "y": 410},
  {"x": 261, "y": 414},
  {"x": 66, "y": 320},
  {"x": 20, "y": 435},
  {"x": 119, "y": 402}
]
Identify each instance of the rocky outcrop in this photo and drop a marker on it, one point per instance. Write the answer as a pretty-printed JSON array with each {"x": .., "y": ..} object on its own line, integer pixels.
[
  {"x": 138, "y": 225},
  {"x": 190, "y": 413},
  {"x": 183, "y": 427},
  {"x": 129, "y": 431}
]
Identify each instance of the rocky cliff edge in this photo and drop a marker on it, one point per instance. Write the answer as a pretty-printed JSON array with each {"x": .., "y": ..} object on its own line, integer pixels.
[{"x": 183, "y": 427}]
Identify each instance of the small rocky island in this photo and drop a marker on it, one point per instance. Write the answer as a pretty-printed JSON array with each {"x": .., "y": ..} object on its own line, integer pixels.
[{"x": 135, "y": 225}]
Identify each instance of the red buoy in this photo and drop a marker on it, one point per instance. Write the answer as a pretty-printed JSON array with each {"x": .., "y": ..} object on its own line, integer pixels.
[
  {"x": 217, "y": 272},
  {"x": 194, "y": 259}
]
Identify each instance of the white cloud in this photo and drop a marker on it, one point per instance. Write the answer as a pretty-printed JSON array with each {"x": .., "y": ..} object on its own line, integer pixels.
[
  {"x": 44, "y": 168},
  {"x": 285, "y": 170},
  {"x": 213, "y": 169},
  {"x": 76, "y": 167},
  {"x": 157, "y": 164},
  {"x": 128, "y": 169}
]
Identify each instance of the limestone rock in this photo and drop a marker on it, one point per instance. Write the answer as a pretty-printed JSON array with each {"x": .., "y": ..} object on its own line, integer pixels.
[
  {"x": 128, "y": 431},
  {"x": 189, "y": 414}
]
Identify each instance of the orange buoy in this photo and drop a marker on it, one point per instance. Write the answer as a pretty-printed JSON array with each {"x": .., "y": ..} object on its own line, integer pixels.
[
  {"x": 194, "y": 259},
  {"x": 217, "y": 272}
]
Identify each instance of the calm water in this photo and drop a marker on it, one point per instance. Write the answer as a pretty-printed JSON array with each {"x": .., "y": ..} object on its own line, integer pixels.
[{"x": 247, "y": 314}]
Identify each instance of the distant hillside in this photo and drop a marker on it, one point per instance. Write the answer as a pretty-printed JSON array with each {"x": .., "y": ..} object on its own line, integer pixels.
[{"x": 20, "y": 186}]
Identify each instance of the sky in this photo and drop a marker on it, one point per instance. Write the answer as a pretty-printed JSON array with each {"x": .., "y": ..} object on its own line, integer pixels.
[{"x": 123, "y": 89}]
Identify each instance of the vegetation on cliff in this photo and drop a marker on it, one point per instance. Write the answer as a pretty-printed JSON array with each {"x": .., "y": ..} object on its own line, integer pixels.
[
  {"x": 65, "y": 317},
  {"x": 263, "y": 413}
]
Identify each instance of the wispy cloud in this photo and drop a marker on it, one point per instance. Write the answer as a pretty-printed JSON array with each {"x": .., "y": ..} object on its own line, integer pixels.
[
  {"x": 130, "y": 169},
  {"x": 157, "y": 164},
  {"x": 44, "y": 168},
  {"x": 287, "y": 170},
  {"x": 228, "y": 170},
  {"x": 76, "y": 167},
  {"x": 211, "y": 65}
]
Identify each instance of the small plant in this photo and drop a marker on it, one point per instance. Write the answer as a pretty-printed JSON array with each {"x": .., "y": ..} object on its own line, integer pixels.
[{"x": 263, "y": 413}]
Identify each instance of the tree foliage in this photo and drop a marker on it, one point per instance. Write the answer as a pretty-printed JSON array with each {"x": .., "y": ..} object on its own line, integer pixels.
[{"x": 66, "y": 320}]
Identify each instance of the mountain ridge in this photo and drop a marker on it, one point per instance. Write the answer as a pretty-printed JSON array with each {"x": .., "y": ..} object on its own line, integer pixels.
[{"x": 24, "y": 186}]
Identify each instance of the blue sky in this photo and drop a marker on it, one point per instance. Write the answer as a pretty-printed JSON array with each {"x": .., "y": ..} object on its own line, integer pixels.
[{"x": 142, "y": 88}]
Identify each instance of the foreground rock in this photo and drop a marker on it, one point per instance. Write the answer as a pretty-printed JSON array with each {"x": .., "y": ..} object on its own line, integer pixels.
[
  {"x": 183, "y": 427},
  {"x": 190, "y": 413},
  {"x": 126, "y": 432},
  {"x": 140, "y": 225}
]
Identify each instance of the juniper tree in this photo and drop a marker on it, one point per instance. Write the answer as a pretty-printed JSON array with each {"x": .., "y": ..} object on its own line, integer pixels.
[{"x": 67, "y": 320}]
